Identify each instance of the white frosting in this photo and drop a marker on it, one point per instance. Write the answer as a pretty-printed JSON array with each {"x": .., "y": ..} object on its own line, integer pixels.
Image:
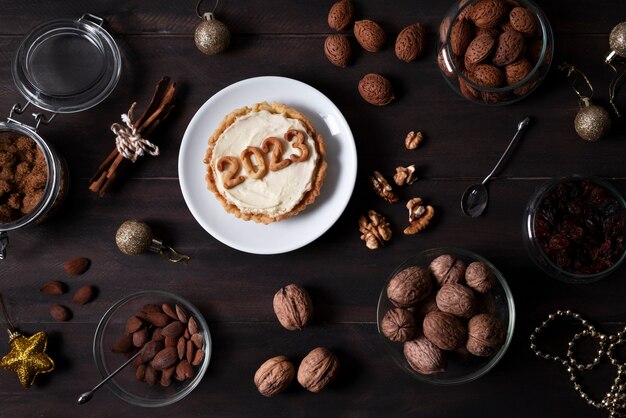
[{"x": 279, "y": 191}]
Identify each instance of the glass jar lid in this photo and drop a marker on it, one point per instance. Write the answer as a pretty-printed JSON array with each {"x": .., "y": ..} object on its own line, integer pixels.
[{"x": 66, "y": 65}]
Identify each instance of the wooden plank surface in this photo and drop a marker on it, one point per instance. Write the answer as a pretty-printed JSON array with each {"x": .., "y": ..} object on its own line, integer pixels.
[{"x": 234, "y": 290}]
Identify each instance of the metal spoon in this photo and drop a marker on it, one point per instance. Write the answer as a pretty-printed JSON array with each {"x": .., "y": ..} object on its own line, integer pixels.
[
  {"x": 86, "y": 397},
  {"x": 475, "y": 198}
]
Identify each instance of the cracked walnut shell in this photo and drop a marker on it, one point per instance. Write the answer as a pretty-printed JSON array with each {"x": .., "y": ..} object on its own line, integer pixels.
[
  {"x": 419, "y": 216},
  {"x": 293, "y": 307},
  {"x": 405, "y": 175},
  {"x": 318, "y": 369},
  {"x": 447, "y": 269},
  {"x": 374, "y": 231},
  {"x": 274, "y": 376},
  {"x": 456, "y": 299},
  {"x": 398, "y": 325},
  {"x": 382, "y": 187},
  {"x": 409, "y": 286},
  {"x": 424, "y": 357},
  {"x": 444, "y": 330}
]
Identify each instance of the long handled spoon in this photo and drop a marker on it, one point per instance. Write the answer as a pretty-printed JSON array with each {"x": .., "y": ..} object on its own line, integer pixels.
[
  {"x": 86, "y": 397},
  {"x": 476, "y": 197}
]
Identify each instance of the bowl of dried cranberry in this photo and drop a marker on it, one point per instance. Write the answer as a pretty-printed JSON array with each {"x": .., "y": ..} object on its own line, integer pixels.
[{"x": 574, "y": 228}]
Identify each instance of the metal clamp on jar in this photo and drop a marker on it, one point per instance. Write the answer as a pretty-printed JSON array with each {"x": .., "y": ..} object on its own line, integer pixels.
[{"x": 61, "y": 66}]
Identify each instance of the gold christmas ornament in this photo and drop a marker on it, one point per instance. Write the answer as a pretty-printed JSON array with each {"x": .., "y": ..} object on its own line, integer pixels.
[
  {"x": 617, "y": 43},
  {"x": 135, "y": 237},
  {"x": 592, "y": 122},
  {"x": 211, "y": 35},
  {"x": 28, "y": 355}
]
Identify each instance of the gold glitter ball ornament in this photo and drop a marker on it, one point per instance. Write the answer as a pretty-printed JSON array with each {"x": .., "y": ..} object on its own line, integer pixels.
[
  {"x": 133, "y": 237},
  {"x": 592, "y": 122},
  {"x": 617, "y": 39},
  {"x": 27, "y": 357},
  {"x": 211, "y": 36}
]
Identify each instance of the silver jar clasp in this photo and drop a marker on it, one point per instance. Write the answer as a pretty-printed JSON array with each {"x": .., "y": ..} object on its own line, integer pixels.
[{"x": 40, "y": 118}]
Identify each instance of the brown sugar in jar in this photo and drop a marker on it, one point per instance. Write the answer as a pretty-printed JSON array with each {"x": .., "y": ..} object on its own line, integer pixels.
[{"x": 23, "y": 176}]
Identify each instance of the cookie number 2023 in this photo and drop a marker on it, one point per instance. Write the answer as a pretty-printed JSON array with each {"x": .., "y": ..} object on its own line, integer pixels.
[{"x": 253, "y": 158}]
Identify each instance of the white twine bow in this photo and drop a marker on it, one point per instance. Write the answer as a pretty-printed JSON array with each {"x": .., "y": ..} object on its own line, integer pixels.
[{"x": 129, "y": 142}]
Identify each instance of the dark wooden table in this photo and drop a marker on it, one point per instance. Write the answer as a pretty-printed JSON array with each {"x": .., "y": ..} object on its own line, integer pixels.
[{"x": 235, "y": 290}]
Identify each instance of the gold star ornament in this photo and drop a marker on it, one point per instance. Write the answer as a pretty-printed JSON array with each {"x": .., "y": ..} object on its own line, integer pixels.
[{"x": 27, "y": 357}]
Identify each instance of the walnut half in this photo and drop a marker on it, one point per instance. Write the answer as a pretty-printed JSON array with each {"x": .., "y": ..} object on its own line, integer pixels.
[
  {"x": 413, "y": 140},
  {"x": 405, "y": 175},
  {"x": 382, "y": 187},
  {"x": 375, "y": 230},
  {"x": 419, "y": 216}
]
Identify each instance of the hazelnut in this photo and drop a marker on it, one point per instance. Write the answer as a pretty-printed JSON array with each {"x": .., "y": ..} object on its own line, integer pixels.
[
  {"x": 424, "y": 357},
  {"x": 444, "y": 330},
  {"x": 318, "y": 369},
  {"x": 479, "y": 277},
  {"x": 398, "y": 325},
  {"x": 447, "y": 269},
  {"x": 485, "y": 335},
  {"x": 293, "y": 307},
  {"x": 456, "y": 299},
  {"x": 274, "y": 376},
  {"x": 409, "y": 286}
]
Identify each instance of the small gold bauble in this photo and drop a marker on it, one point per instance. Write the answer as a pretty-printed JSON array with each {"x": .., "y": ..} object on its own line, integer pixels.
[
  {"x": 617, "y": 39},
  {"x": 133, "y": 237},
  {"x": 592, "y": 122},
  {"x": 211, "y": 36}
]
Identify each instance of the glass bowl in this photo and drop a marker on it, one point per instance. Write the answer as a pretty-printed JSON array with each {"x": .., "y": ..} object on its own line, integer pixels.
[
  {"x": 124, "y": 384},
  {"x": 462, "y": 367},
  {"x": 536, "y": 236},
  {"x": 493, "y": 85}
]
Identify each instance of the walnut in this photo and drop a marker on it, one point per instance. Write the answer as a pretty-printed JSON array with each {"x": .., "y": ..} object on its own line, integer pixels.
[
  {"x": 419, "y": 216},
  {"x": 274, "y": 376},
  {"x": 424, "y": 357},
  {"x": 405, "y": 175},
  {"x": 374, "y": 231},
  {"x": 447, "y": 269},
  {"x": 444, "y": 330},
  {"x": 318, "y": 369},
  {"x": 293, "y": 307},
  {"x": 456, "y": 299},
  {"x": 398, "y": 325},
  {"x": 382, "y": 187},
  {"x": 409, "y": 286},
  {"x": 413, "y": 140},
  {"x": 479, "y": 277},
  {"x": 485, "y": 335}
]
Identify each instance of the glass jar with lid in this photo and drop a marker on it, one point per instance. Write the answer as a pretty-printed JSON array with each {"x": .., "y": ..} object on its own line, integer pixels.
[{"x": 61, "y": 66}]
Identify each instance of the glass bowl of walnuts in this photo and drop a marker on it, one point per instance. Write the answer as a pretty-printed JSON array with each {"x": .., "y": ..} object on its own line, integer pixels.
[
  {"x": 494, "y": 52},
  {"x": 173, "y": 341},
  {"x": 446, "y": 316},
  {"x": 574, "y": 228}
]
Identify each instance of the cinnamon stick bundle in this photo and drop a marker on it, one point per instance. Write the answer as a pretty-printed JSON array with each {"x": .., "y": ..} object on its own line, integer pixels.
[{"x": 159, "y": 107}]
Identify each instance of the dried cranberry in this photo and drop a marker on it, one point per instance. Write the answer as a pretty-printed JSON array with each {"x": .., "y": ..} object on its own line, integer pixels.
[{"x": 558, "y": 243}]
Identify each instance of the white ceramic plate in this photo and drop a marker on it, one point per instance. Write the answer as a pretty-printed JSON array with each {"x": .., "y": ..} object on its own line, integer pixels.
[{"x": 292, "y": 233}]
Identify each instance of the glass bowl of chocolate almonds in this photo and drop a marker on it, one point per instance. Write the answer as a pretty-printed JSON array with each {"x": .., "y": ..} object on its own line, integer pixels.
[
  {"x": 494, "y": 52},
  {"x": 173, "y": 342},
  {"x": 446, "y": 316},
  {"x": 574, "y": 228}
]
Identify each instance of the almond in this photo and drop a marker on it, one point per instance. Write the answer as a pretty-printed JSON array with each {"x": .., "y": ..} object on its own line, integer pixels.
[
  {"x": 488, "y": 76},
  {"x": 170, "y": 341},
  {"x": 181, "y": 347},
  {"x": 157, "y": 335},
  {"x": 84, "y": 295},
  {"x": 140, "y": 373},
  {"x": 174, "y": 330},
  {"x": 151, "y": 376},
  {"x": 488, "y": 13},
  {"x": 158, "y": 319},
  {"x": 190, "y": 351},
  {"x": 410, "y": 43},
  {"x": 460, "y": 37},
  {"x": 468, "y": 91},
  {"x": 182, "y": 314},
  {"x": 132, "y": 324},
  {"x": 150, "y": 350},
  {"x": 340, "y": 15},
  {"x": 478, "y": 50},
  {"x": 493, "y": 32},
  {"x": 517, "y": 71},
  {"x": 197, "y": 340},
  {"x": 444, "y": 27},
  {"x": 166, "y": 376},
  {"x": 523, "y": 21},
  {"x": 510, "y": 46},
  {"x": 369, "y": 35},
  {"x": 184, "y": 370},
  {"x": 165, "y": 358},
  {"x": 54, "y": 287},
  {"x": 60, "y": 312},
  {"x": 169, "y": 311},
  {"x": 77, "y": 266},
  {"x": 337, "y": 50},
  {"x": 197, "y": 358},
  {"x": 375, "y": 89},
  {"x": 140, "y": 337},
  {"x": 193, "y": 325},
  {"x": 466, "y": 13},
  {"x": 123, "y": 345}
]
